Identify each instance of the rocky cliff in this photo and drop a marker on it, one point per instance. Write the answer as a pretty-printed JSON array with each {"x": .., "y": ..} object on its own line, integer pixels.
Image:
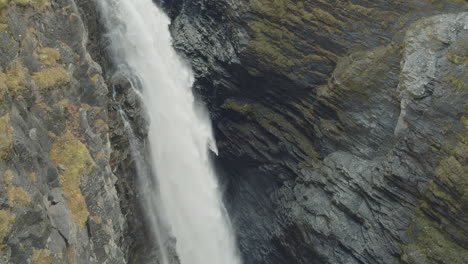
[
  {"x": 58, "y": 196},
  {"x": 341, "y": 127}
]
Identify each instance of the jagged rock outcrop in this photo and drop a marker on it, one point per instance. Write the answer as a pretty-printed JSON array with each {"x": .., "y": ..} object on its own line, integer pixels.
[
  {"x": 341, "y": 125},
  {"x": 58, "y": 201}
]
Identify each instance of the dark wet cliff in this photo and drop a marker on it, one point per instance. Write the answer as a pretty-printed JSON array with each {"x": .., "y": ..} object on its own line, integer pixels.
[{"x": 341, "y": 127}]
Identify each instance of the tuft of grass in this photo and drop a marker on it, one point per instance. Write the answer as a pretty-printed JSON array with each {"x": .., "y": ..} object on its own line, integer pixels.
[
  {"x": 51, "y": 77},
  {"x": 68, "y": 152},
  {"x": 48, "y": 56},
  {"x": 17, "y": 196},
  {"x": 6, "y": 136}
]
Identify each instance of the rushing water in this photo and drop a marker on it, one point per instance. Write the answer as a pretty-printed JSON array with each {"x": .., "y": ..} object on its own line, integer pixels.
[{"x": 186, "y": 203}]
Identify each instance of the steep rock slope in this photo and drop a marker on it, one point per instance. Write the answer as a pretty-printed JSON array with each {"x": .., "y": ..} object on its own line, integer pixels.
[
  {"x": 341, "y": 125},
  {"x": 58, "y": 202}
]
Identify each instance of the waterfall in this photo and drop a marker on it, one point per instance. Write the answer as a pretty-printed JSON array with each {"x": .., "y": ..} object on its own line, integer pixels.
[{"x": 186, "y": 201}]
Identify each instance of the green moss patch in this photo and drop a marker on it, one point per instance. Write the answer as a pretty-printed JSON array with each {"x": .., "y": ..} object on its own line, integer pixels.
[
  {"x": 48, "y": 56},
  {"x": 3, "y": 3},
  {"x": 432, "y": 245},
  {"x": 40, "y": 4},
  {"x": 17, "y": 196},
  {"x": 362, "y": 73},
  {"x": 51, "y": 77},
  {"x": 6, "y": 136},
  {"x": 13, "y": 81},
  {"x": 68, "y": 152},
  {"x": 458, "y": 53},
  {"x": 273, "y": 122},
  {"x": 436, "y": 228},
  {"x": 7, "y": 219}
]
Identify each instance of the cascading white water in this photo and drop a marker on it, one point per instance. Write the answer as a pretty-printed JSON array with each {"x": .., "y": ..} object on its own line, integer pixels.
[{"x": 180, "y": 135}]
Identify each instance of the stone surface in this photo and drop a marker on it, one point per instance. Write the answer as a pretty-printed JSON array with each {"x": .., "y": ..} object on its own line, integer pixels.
[
  {"x": 54, "y": 182},
  {"x": 341, "y": 125},
  {"x": 341, "y": 128}
]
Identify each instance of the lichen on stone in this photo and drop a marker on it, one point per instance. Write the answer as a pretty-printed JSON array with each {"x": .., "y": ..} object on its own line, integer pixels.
[
  {"x": 456, "y": 83},
  {"x": 443, "y": 205},
  {"x": 101, "y": 126},
  {"x": 8, "y": 177},
  {"x": 33, "y": 177},
  {"x": 458, "y": 53},
  {"x": 7, "y": 219},
  {"x": 71, "y": 253},
  {"x": 431, "y": 244},
  {"x": 3, "y": 27},
  {"x": 6, "y": 136},
  {"x": 40, "y": 4},
  {"x": 71, "y": 154},
  {"x": 17, "y": 196},
  {"x": 51, "y": 77},
  {"x": 95, "y": 78},
  {"x": 48, "y": 56},
  {"x": 42, "y": 256},
  {"x": 14, "y": 80},
  {"x": 3, "y": 3},
  {"x": 62, "y": 103},
  {"x": 97, "y": 219}
]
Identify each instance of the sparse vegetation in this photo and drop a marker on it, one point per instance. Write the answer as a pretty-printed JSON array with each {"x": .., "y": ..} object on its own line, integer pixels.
[
  {"x": 7, "y": 219},
  {"x": 51, "y": 77},
  {"x": 42, "y": 256},
  {"x": 48, "y": 56},
  {"x": 68, "y": 152},
  {"x": 6, "y": 136}
]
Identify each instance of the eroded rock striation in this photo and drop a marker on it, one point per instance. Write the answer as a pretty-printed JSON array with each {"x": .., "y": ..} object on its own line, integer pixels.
[
  {"x": 341, "y": 128},
  {"x": 58, "y": 201},
  {"x": 341, "y": 125}
]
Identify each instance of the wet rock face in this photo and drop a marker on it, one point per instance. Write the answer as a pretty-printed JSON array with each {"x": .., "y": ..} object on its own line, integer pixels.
[
  {"x": 341, "y": 125},
  {"x": 58, "y": 202}
]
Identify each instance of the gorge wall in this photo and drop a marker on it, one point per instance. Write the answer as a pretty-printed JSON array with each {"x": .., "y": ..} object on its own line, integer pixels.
[
  {"x": 341, "y": 125},
  {"x": 58, "y": 201},
  {"x": 341, "y": 128}
]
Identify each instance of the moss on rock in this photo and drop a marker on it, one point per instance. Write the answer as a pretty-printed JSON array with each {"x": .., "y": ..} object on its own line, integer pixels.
[
  {"x": 7, "y": 219},
  {"x": 101, "y": 126},
  {"x": 275, "y": 123},
  {"x": 48, "y": 56},
  {"x": 6, "y": 136},
  {"x": 17, "y": 196},
  {"x": 42, "y": 256},
  {"x": 51, "y": 77},
  {"x": 443, "y": 207},
  {"x": 68, "y": 152},
  {"x": 458, "y": 53},
  {"x": 8, "y": 177},
  {"x": 456, "y": 83},
  {"x": 3, "y": 3},
  {"x": 432, "y": 245},
  {"x": 15, "y": 79}
]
